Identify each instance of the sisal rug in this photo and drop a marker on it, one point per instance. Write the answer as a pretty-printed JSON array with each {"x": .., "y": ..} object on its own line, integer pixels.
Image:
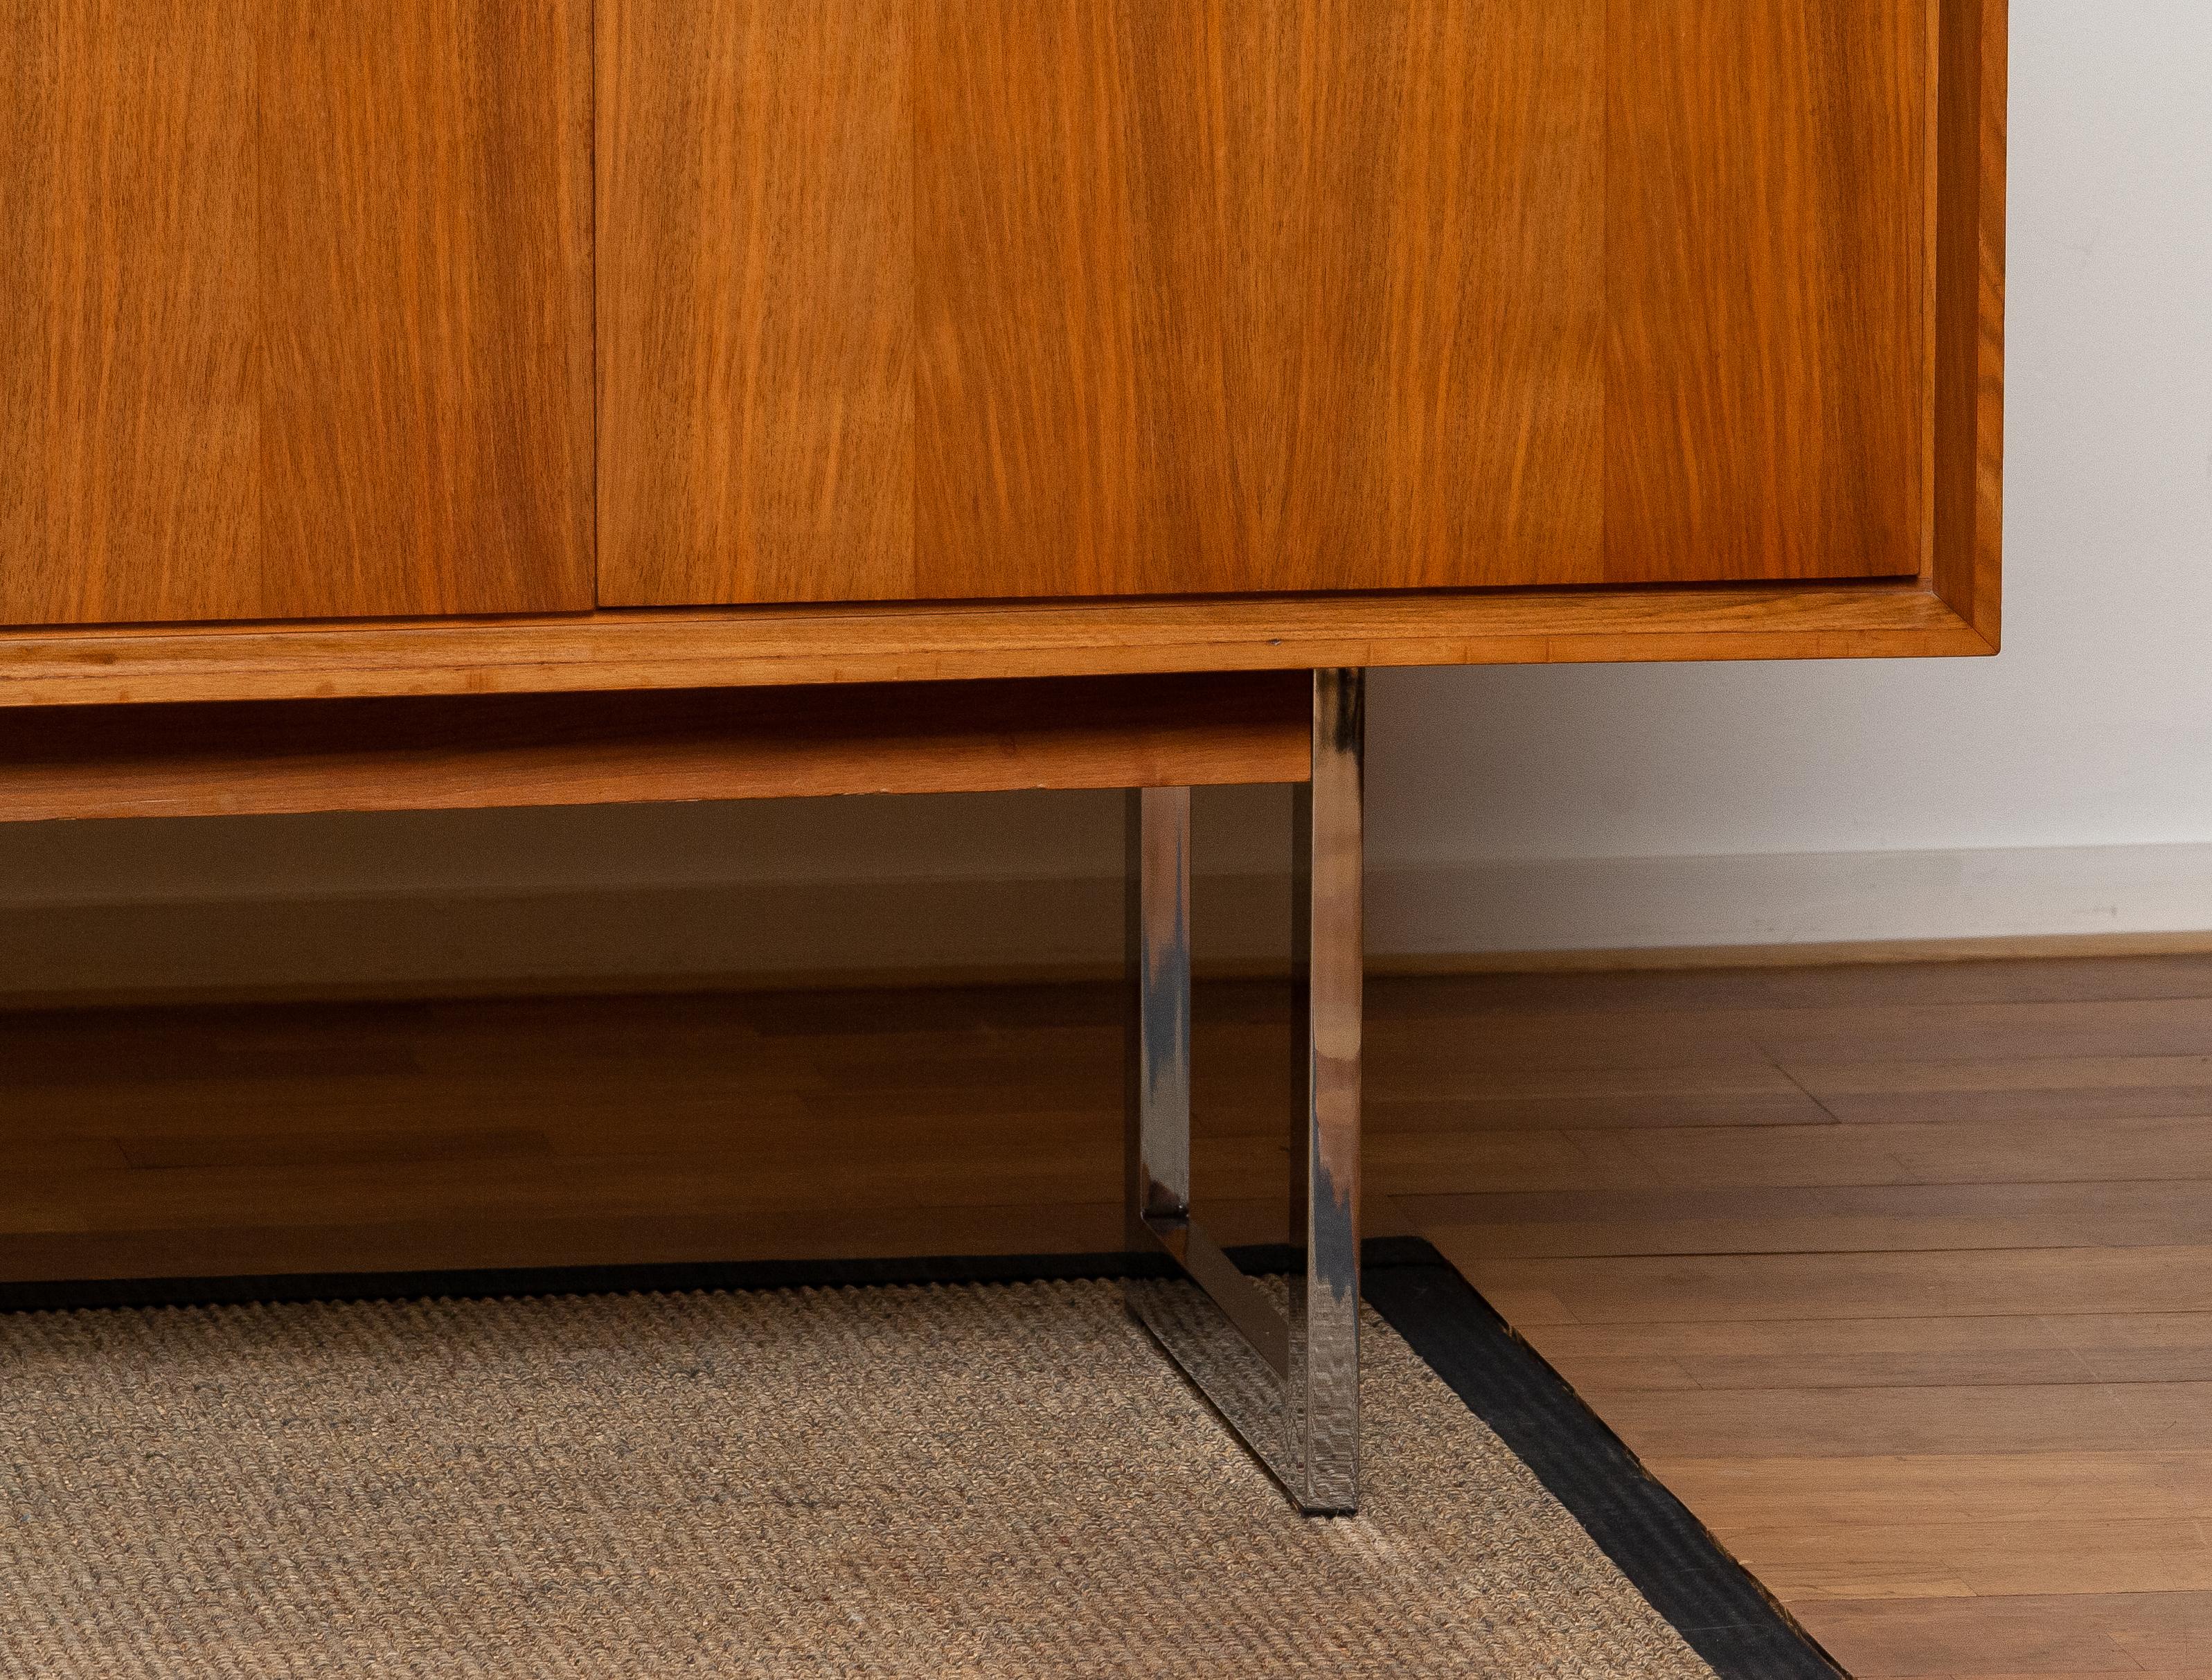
[{"x": 927, "y": 1478}]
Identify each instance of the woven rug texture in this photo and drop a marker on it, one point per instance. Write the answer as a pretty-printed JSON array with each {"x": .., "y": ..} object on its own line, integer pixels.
[{"x": 927, "y": 1480}]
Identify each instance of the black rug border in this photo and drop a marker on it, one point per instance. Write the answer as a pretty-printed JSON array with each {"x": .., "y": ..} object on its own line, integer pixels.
[
  {"x": 1666, "y": 1554},
  {"x": 1672, "y": 1558}
]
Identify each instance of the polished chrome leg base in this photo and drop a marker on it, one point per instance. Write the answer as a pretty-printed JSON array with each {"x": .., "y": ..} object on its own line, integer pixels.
[{"x": 1287, "y": 1380}]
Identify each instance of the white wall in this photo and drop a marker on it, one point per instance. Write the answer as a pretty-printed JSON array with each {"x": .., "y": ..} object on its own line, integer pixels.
[{"x": 2064, "y": 787}]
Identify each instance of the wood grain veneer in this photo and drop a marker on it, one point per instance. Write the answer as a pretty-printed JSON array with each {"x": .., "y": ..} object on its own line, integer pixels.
[
  {"x": 1766, "y": 289},
  {"x": 259, "y": 758},
  {"x": 1236, "y": 296},
  {"x": 129, "y": 442},
  {"x": 756, "y": 300},
  {"x": 297, "y": 316},
  {"x": 1269, "y": 296}
]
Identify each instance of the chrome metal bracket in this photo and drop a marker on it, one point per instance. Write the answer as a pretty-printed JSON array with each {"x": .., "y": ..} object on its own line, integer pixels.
[{"x": 1287, "y": 1382}]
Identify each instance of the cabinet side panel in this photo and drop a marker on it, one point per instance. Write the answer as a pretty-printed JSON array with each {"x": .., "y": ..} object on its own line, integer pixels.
[
  {"x": 426, "y": 274},
  {"x": 1257, "y": 295},
  {"x": 128, "y": 445},
  {"x": 1970, "y": 312},
  {"x": 1766, "y": 235},
  {"x": 756, "y": 301}
]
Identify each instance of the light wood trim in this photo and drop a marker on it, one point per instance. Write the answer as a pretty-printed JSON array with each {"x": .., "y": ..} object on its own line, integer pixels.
[
  {"x": 259, "y": 758},
  {"x": 756, "y": 646}
]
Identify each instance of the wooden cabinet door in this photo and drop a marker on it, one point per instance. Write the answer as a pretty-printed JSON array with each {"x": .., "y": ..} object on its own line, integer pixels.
[
  {"x": 999, "y": 298},
  {"x": 297, "y": 317}
]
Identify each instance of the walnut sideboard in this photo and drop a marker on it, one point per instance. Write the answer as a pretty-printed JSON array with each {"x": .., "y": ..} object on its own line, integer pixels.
[{"x": 433, "y": 403}]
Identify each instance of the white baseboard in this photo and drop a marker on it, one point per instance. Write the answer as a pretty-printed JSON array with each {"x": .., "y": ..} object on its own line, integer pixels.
[
  {"x": 472, "y": 942},
  {"x": 1805, "y": 899}
]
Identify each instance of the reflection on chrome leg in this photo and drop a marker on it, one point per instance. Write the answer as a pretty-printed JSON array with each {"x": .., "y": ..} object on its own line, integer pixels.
[{"x": 1288, "y": 1383}]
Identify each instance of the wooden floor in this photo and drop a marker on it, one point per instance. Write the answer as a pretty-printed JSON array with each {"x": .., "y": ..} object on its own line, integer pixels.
[{"x": 1901, "y": 1277}]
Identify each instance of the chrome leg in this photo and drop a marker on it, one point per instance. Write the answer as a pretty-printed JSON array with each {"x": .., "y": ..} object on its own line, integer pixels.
[
  {"x": 1159, "y": 1085},
  {"x": 1289, "y": 1384},
  {"x": 1327, "y": 922}
]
